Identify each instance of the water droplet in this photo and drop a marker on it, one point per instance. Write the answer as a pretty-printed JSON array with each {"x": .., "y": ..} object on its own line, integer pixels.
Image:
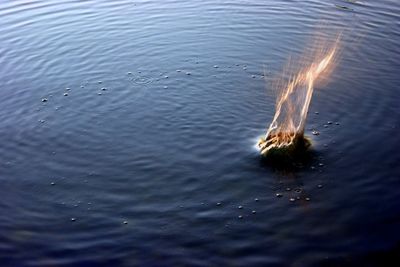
[
  {"x": 219, "y": 204},
  {"x": 216, "y": 66},
  {"x": 178, "y": 70},
  {"x": 100, "y": 82},
  {"x": 320, "y": 186},
  {"x": 278, "y": 195},
  {"x": 240, "y": 207},
  {"x": 166, "y": 77},
  {"x": 307, "y": 199},
  {"x": 314, "y": 132},
  {"x": 256, "y": 199},
  {"x": 329, "y": 122},
  {"x": 336, "y": 123},
  {"x": 188, "y": 73},
  {"x": 253, "y": 76},
  {"x": 320, "y": 164},
  {"x": 53, "y": 183},
  {"x": 129, "y": 73},
  {"x": 165, "y": 87},
  {"x": 316, "y": 112},
  {"x": 82, "y": 86},
  {"x": 104, "y": 89},
  {"x": 125, "y": 222},
  {"x": 240, "y": 217},
  {"x": 253, "y": 211},
  {"x": 292, "y": 199},
  {"x": 44, "y": 99},
  {"x": 73, "y": 219},
  {"x": 65, "y": 94},
  {"x": 288, "y": 189}
]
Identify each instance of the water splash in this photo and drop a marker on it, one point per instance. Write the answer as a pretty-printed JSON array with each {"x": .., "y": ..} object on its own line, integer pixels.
[{"x": 295, "y": 90}]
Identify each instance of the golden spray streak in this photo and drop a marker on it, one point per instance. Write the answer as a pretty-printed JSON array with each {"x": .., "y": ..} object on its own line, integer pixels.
[{"x": 295, "y": 97}]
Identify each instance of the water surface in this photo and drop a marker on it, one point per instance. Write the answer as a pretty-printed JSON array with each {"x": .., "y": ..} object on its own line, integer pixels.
[{"x": 127, "y": 132}]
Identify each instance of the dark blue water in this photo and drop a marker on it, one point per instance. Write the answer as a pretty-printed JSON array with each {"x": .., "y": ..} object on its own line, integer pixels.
[{"x": 127, "y": 132}]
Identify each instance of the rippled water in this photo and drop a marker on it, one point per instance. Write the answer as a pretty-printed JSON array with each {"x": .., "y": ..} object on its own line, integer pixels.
[{"x": 127, "y": 132}]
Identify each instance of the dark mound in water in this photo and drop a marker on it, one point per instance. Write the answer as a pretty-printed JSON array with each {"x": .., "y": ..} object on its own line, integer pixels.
[{"x": 296, "y": 152}]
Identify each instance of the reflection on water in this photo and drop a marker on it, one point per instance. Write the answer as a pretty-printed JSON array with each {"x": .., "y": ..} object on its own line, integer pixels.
[{"x": 142, "y": 153}]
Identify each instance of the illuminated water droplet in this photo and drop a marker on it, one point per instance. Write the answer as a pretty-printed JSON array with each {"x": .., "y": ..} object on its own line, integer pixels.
[
  {"x": 240, "y": 207},
  {"x": 44, "y": 99},
  {"x": 65, "y": 94},
  {"x": 278, "y": 195}
]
